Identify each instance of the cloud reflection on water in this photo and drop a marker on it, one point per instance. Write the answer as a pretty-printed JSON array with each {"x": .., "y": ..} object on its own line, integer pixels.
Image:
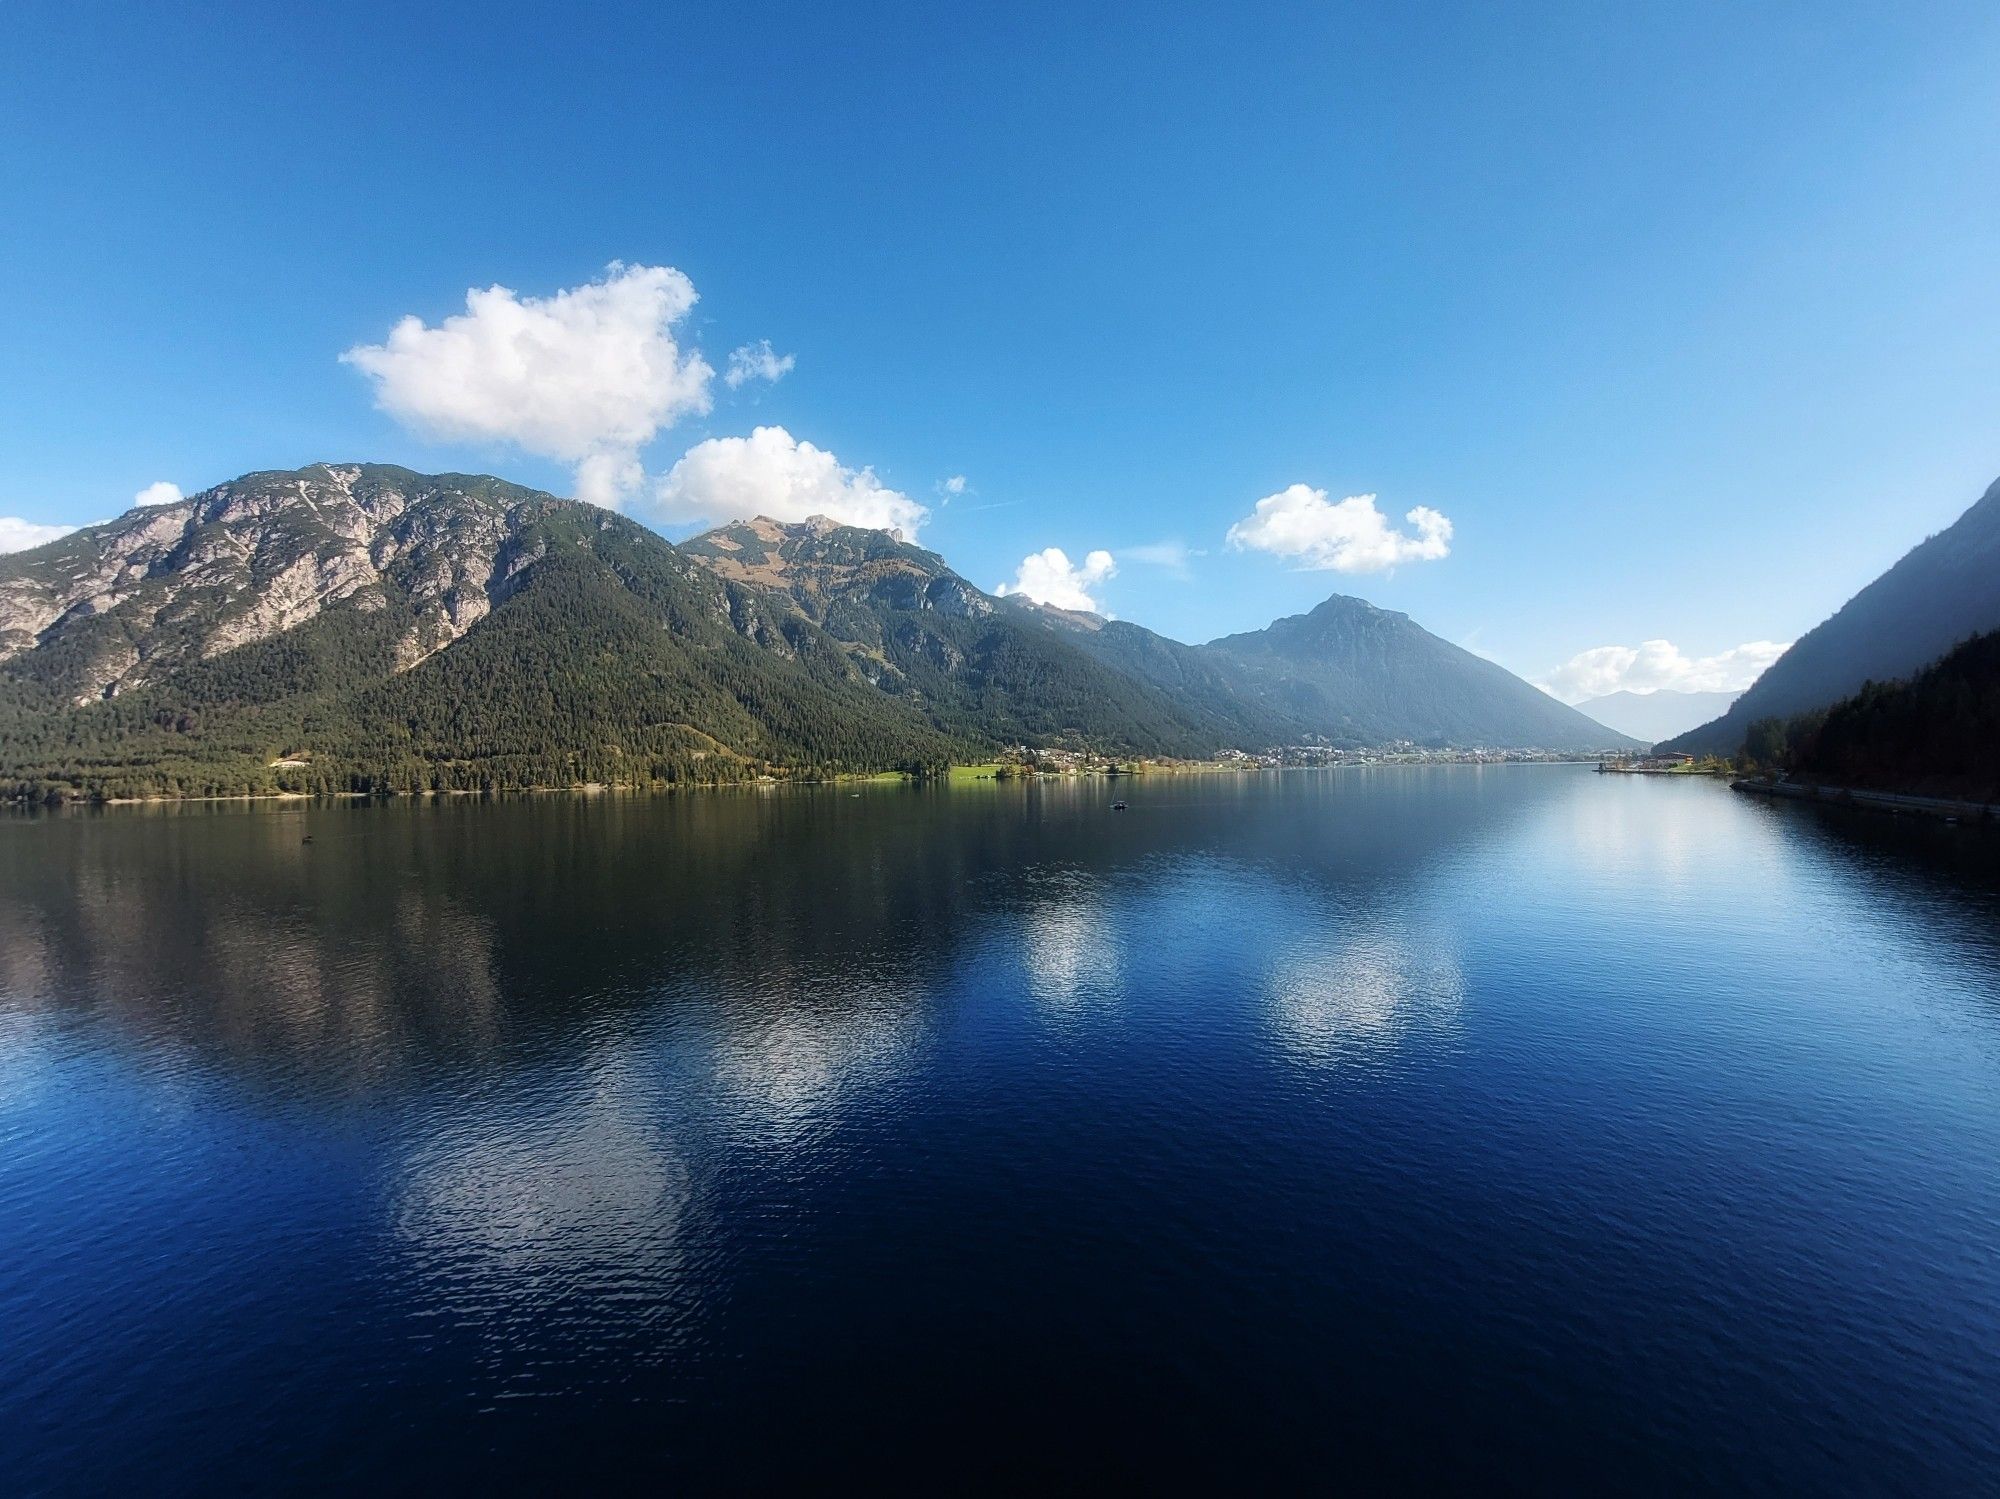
[
  {"x": 548, "y": 1191},
  {"x": 782, "y": 1064},
  {"x": 1361, "y": 994},
  {"x": 1071, "y": 950}
]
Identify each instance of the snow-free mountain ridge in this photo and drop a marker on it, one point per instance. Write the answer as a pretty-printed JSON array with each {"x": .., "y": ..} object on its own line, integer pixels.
[{"x": 362, "y": 626}]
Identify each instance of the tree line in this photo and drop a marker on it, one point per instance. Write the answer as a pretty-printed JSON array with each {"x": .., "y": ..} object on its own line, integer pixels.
[{"x": 1936, "y": 733}]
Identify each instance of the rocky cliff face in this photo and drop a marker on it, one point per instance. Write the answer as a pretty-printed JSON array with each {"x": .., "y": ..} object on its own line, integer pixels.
[
  {"x": 120, "y": 605},
  {"x": 818, "y": 562},
  {"x": 344, "y": 628}
]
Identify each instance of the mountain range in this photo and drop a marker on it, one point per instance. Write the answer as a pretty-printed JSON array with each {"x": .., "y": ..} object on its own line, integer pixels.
[
  {"x": 363, "y": 627},
  {"x": 1943, "y": 591}
]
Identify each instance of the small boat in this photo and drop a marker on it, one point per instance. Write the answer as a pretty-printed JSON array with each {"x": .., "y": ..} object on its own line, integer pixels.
[{"x": 1118, "y": 806}]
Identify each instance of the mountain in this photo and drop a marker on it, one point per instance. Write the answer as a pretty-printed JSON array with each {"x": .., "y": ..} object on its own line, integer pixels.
[
  {"x": 1192, "y": 675},
  {"x": 1016, "y": 670},
  {"x": 964, "y": 660},
  {"x": 362, "y": 627},
  {"x": 1931, "y": 735},
  {"x": 384, "y": 629},
  {"x": 1653, "y": 716},
  {"x": 1945, "y": 589},
  {"x": 1354, "y": 673},
  {"x": 123, "y": 604},
  {"x": 1348, "y": 672}
]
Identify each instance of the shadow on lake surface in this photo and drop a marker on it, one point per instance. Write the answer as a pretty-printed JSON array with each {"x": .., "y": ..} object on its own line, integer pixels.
[{"x": 1511, "y": 1125}]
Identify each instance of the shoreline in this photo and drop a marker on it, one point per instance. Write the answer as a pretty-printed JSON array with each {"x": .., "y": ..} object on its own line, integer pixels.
[
  {"x": 1944, "y": 808},
  {"x": 1658, "y": 770},
  {"x": 978, "y": 773}
]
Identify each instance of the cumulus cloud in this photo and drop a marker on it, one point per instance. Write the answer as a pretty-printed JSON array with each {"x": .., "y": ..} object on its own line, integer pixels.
[
  {"x": 17, "y": 535},
  {"x": 1658, "y": 665},
  {"x": 758, "y": 361},
  {"x": 1049, "y": 577},
  {"x": 951, "y": 488},
  {"x": 772, "y": 473},
  {"x": 1349, "y": 537},
  {"x": 159, "y": 493},
  {"x": 588, "y": 376}
]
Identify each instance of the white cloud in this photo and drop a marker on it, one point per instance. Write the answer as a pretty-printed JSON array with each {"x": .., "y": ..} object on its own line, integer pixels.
[
  {"x": 1171, "y": 555},
  {"x": 608, "y": 478},
  {"x": 588, "y": 376},
  {"x": 159, "y": 493},
  {"x": 1049, "y": 577},
  {"x": 17, "y": 535},
  {"x": 953, "y": 487},
  {"x": 1658, "y": 665},
  {"x": 772, "y": 473},
  {"x": 758, "y": 361},
  {"x": 1350, "y": 537}
]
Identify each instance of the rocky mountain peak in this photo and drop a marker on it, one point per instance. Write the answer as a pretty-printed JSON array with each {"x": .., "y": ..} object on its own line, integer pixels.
[
  {"x": 129, "y": 600},
  {"x": 821, "y": 558}
]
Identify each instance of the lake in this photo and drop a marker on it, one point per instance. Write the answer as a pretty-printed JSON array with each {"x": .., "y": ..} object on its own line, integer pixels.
[{"x": 1512, "y": 1126}]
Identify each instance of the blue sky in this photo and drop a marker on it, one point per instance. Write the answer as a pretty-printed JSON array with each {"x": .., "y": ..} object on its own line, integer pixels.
[{"x": 1685, "y": 317}]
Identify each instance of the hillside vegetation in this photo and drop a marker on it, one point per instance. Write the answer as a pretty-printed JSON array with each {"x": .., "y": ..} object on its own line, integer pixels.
[
  {"x": 1936, "y": 734},
  {"x": 363, "y": 628},
  {"x": 1943, "y": 590}
]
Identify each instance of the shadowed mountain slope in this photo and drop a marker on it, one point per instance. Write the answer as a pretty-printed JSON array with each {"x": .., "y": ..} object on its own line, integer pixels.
[
  {"x": 1356, "y": 673},
  {"x": 1943, "y": 591}
]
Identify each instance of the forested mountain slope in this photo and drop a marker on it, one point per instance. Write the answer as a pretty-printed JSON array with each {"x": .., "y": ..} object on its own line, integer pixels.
[
  {"x": 363, "y": 627},
  {"x": 526, "y": 641},
  {"x": 1191, "y": 674},
  {"x": 971, "y": 664},
  {"x": 1346, "y": 674},
  {"x": 1934, "y": 734},
  {"x": 120, "y": 605},
  {"x": 1943, "y": 590},
  {"x": 1358, "y": 674}
]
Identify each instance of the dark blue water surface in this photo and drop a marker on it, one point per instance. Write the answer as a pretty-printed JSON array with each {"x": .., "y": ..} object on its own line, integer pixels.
[{"x": 1514, "y": 1126}]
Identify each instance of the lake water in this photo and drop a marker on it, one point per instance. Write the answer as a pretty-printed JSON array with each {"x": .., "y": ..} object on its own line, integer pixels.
[{"x": 1516, "y": 1126}]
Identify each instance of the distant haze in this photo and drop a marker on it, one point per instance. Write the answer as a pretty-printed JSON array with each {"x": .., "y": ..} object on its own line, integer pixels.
[{"x": 1653, "y": 716}]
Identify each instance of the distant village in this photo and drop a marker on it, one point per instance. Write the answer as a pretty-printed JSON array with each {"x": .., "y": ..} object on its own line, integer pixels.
[{"x": 1060, "y": 760}]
